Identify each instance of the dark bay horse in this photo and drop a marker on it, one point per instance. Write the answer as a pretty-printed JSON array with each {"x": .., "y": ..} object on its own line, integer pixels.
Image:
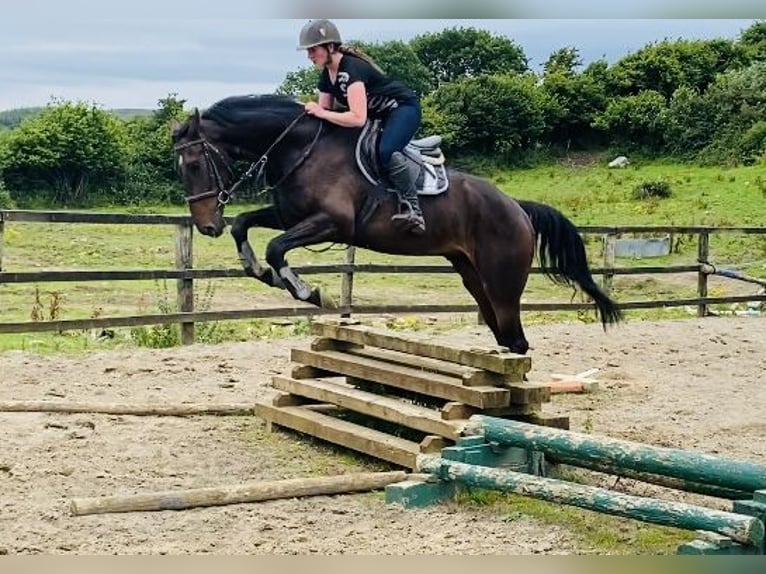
[{"x": 319, "y": 194}]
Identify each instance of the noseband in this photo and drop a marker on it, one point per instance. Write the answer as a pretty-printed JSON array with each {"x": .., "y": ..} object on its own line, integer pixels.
[{"x": 257, "y": 167}]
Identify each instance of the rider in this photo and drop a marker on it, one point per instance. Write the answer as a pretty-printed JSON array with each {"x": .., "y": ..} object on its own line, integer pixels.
[{"x": 355, "y": 81}]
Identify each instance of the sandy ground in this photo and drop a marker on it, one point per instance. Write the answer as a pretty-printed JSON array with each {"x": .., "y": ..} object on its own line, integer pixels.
[{"x": 693, "y": 383}]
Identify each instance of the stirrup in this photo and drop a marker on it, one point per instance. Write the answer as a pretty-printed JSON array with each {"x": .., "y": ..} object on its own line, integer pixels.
[{"x": 412, "y": 216}]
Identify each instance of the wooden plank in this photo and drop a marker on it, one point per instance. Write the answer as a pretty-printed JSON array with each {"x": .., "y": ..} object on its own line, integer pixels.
[
  {"x": 137, "y": 409},
  {"x": 432, "y": 444},
  {"x": 601, "y": 229},
  {"x": 325, "y": 344},
  {"x": 185, "y": 287},
  {"x": 54, "y": 276},
  {"x": 309, "y": 372},
  {"x": 237, "y": 494},
  {"x": 46, "y": 216},
  {"x": 312, "y": 311},
  {"x": 546, "y": 420},
  {"x": 35, "y": 216},
  {"x": 288, "y": 400},
  {"x": 454, "y": 411},
  {"x": 402, "y": 377},
  {"x": 349, "y": 435},
  {"x": 502, "y": 362},
  {"x": 385, "y": 408},
  {"x": 529, "y": 393},
  {"x": 470, "y": 376}
]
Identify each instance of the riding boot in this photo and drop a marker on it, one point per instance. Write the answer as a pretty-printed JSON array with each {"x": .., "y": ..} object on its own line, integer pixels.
[{"x": 403, "y": 175}]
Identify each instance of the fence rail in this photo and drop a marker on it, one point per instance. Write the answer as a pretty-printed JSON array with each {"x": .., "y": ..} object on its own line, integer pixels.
[{"x": 185, "y": 275}]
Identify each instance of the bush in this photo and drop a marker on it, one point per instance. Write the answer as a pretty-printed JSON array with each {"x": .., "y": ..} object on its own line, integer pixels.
[
  {"x": 502, "y": 115},
  {"x": 638, "y": 121},
  {"x": 652, "y": 189},
  {"x": 6, "y": 201}
]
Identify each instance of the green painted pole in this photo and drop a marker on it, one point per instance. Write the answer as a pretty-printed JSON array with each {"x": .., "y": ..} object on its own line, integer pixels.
[
  {"x": 658, "y": 479},
  {"x": 740, "y": 528},
  {"x": 686, "y": 465}
]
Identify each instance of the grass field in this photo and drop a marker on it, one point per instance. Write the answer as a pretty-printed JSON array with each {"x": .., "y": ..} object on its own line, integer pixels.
[{"x": 588, "y": 194}]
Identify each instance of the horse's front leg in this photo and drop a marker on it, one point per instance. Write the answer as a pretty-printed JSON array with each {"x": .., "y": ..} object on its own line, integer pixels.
[
  {"x": 265, "y": 217},
  {"x": 311, "y": 231}
]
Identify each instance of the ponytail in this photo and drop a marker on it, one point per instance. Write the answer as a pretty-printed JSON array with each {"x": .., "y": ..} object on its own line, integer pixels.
[{"x": 356, "y": 52}]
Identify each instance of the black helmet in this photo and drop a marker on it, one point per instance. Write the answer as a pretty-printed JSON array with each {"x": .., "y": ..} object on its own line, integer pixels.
[{"x": 316, "y": 33}]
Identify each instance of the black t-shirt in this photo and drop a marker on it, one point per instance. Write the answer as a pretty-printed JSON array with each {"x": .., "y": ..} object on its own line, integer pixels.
[{"x": 383, "y": 93}]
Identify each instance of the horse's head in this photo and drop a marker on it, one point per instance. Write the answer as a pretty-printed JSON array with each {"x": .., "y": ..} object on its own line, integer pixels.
[{"x": 204, "y": 169}]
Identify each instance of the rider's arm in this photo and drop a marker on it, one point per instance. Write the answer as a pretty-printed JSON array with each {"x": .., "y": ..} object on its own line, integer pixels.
[
  {"x": 356, "y": 116},
  {"x": 326, "y": 100}
]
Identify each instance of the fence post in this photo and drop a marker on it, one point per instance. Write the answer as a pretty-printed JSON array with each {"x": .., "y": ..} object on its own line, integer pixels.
[
  {"x": 703, "y": 251},
  {"x": 2, "y": 238},
  {"x": 347, "y": 285},
  {"x": 610, "y": 244},
  {"x": 185, "y": 286}
]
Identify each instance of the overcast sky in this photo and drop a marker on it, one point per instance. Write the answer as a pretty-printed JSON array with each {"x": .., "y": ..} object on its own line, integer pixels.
[{"x": 130, "y": 59}]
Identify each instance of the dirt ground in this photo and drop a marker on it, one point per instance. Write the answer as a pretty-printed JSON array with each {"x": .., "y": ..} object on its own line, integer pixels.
[{"x": 692, "y": 383}]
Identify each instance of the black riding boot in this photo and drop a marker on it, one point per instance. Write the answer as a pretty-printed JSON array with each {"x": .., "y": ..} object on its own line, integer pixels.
[{"x": 403, "y": 175}]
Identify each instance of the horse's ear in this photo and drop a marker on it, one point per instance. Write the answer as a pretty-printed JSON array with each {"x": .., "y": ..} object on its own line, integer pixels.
[{"x": 195, "y": 121}]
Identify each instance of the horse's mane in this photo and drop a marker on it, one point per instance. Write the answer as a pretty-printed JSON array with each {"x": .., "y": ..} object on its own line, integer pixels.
[{"x": 241, "y": 111}]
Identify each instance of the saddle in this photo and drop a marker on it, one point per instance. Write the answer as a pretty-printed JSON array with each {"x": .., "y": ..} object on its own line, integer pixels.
[{"x": 425, "y": 152}]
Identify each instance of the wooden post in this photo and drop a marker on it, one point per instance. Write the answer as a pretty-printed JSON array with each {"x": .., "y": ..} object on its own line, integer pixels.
[
  {"x": 2, "y": 237},
  {"x": 703, "y": 251},
  {"x": 238, "y": 494},
  {"x": 610, "y": 242},
  {"x": 347, "y": 287},
  {"x": 185, "y": 293}
]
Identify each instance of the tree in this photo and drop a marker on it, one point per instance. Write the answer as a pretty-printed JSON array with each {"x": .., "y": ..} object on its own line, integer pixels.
[
  {"x": 67, "y": 149},
  {"x": 151, "y": 167},
  {"x": 665, "y": 66},
  {"x": 636, "y": 121},
  {"x": 301, "y": 83},
  {"x": 736, "y": 102},
  {"x": 579, "y": 98},
  {"x": 467, "y": 52},
  {"x": 397, "y": 60},
  {"x": 493, "y": 114},
  {"x": 753, "y": 40},
  {"x": 563, "y": 61}
]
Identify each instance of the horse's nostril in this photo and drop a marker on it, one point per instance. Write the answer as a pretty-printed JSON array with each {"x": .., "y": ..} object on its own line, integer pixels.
[{"x": 209, "y": 230}]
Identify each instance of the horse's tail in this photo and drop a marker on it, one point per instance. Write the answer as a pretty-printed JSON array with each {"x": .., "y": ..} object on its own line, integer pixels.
[{"x": 563, "y": 258}]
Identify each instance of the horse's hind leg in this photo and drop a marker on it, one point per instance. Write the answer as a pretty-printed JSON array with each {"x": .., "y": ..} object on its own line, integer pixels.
[
  {"x": 266, "y": 217},
  {"x": 473, "y": 283},
  {"x": 504, "y": 275}
]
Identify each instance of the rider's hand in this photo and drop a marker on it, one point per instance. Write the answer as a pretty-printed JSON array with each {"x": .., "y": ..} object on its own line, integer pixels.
[{"x": 314, "y": 109}]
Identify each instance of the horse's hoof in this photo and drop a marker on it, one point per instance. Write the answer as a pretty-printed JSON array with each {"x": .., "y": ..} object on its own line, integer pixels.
[
  {"x": 322, "y": 301},
  {"x": 315, "y": 298}
]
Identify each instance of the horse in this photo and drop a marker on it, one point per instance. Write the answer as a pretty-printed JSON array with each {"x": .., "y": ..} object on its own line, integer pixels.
[{"x": 320, "y": 194}]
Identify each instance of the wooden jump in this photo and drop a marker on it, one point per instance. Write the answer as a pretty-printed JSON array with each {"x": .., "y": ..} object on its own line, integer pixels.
[{"x": 398, "y": 379}]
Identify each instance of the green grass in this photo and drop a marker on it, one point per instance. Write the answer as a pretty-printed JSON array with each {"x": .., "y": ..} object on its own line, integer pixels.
[
  {"x": 588, "y": 195},
  {"x": 593, "y": 532}
]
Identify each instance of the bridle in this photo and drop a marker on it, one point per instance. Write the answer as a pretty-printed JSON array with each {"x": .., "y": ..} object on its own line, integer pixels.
[{"x": 257, "y": 167}]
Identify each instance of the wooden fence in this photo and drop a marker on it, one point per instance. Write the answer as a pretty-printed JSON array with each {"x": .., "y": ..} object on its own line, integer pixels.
[{"x": 185, "y": 274}]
